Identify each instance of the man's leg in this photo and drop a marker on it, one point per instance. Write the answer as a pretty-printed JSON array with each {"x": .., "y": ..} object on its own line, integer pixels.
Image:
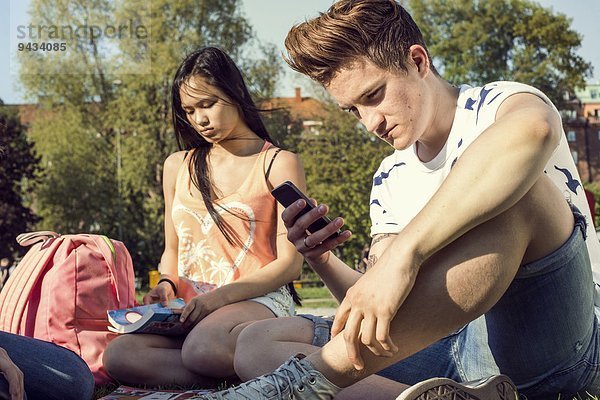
[
  {"x": 50, "y": 371},
  {"x": 451, "y": 285},
  {"x": 265, "y": 345}
]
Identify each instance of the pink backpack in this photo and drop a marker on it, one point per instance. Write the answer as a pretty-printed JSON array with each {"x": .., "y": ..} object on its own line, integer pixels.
[{"x": 61, "y": 290}]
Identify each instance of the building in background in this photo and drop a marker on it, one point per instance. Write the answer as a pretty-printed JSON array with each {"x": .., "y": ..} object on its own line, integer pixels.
[
  {"x": 581, "y": 122},
  {"x": 308, "y": 111}
]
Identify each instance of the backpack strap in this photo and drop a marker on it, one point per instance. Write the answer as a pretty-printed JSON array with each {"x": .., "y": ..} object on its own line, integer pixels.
[
  {"x": 30, "y": 238},
  {"x": 271, "y": 163},
  {"x": 107, "y": 249},
  {"x": 15, "y": 295}
]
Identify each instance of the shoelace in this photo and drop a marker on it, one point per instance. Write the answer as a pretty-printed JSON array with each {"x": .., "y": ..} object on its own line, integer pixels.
[{"x": 258, "y": 389}]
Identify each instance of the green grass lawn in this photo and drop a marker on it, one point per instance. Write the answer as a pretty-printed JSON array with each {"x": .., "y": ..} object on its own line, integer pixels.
[
  {"x": 316, "y": 297},
  {"x": 314, "y": 293}
]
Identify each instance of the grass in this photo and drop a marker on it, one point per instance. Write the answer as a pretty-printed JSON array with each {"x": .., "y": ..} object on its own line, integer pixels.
[
  {"x": 316, "y": 297},
  {"x": 314, "y": 293}
]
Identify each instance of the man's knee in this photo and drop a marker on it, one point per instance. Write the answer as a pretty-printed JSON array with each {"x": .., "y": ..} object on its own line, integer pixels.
[{"x": 545, "y": 217}]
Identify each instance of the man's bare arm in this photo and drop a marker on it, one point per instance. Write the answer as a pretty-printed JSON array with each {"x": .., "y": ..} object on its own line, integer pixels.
[{"x": 379, "y": 243}]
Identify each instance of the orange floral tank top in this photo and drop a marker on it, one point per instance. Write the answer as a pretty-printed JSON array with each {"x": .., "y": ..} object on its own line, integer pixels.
[{"x": 204, "y": 254}]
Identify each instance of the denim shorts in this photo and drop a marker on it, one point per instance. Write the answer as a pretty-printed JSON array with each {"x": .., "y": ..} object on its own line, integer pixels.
[
  {"x": 322, "y": 326},
  {"x": 280, "y": 302},
  {"x": 543, "y": 332}
]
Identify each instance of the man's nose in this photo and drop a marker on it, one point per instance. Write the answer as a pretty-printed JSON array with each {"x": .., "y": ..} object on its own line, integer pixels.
[{"x": 374, "y": 121}]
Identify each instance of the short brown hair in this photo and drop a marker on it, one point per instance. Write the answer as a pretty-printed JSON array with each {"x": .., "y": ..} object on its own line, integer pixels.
[{"x": 380, "y": 30}]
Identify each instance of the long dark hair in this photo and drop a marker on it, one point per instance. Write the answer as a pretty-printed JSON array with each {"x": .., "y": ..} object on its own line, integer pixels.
[{"x": 216, "y": 68}]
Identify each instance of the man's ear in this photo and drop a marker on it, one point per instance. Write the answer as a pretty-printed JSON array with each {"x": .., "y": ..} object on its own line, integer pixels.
[{"x": 418, "y": 55}]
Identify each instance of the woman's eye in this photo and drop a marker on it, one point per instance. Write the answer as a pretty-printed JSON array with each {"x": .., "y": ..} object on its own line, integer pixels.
[{"x": 207, "y": 104}]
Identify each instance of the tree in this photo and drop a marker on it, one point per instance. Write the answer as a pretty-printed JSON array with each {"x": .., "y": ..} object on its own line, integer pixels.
[
  {"x": 18, "y": 165},
  {"x": 107, "y": 127},
  {"x": 478, "y": 41},
  {"x": 340, "y": 162}
]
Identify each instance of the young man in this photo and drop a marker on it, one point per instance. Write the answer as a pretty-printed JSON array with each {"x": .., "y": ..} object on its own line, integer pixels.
[{"x": 483, "y": 247}]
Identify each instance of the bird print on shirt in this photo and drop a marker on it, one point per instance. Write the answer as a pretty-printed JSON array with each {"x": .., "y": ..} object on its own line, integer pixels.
[
  {"x": 378, "y": 180},
  {"x": 480, "y": 101},
  {"x": 571, "y": 183}
]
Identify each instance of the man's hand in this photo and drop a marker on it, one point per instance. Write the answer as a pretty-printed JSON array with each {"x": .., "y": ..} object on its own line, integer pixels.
[
  {"x": 314, "y": 247},
  {"x": 366, "y": 312},
  {"x": 13, "y": 376}
]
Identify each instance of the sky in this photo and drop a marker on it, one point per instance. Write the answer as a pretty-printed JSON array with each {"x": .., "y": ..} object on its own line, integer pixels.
[{"x": 271, "y": 20}]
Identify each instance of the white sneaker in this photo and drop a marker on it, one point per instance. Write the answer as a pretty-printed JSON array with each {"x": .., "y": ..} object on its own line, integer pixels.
[
  {"x": 497, "y": 387},
  {"x": 296, "y": 379}
]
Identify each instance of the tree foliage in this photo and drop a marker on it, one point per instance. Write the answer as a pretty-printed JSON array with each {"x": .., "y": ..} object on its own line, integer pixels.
[
  {"x": 478, "y": 41},
  {"x": 340, "y": 162},
  {"x": 106, "y": 129},
  {"x": 18, "y": 166}
]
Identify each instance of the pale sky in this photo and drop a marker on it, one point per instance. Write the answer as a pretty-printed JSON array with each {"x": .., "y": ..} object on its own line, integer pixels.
[{"x": 271, "y": 20}]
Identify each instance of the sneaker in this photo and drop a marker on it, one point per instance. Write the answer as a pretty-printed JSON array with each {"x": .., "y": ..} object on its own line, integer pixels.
[
  {"x": 497, "y": 387},
  {"x": 296, "y": 379}
]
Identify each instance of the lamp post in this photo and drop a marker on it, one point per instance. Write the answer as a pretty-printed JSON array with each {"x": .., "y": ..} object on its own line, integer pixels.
[
  {"x": 119, "y": 190},
  {"x": 117, "y": 83}
]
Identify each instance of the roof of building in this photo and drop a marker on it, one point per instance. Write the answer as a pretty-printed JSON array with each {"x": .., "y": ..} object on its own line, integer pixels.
[{"x": 303, "y": 108}]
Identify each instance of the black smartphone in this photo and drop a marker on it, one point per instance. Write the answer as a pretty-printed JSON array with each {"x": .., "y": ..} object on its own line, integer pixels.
[{"x": 287, "y": 193}]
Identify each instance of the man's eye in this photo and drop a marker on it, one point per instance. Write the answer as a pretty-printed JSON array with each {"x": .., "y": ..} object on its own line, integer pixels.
[
  {"x": 353, "y": 110},
  {"x": 373, "y": 95}
]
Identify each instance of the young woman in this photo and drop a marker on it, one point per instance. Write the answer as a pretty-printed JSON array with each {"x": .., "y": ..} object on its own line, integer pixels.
[{"x": 223, "y": 235}]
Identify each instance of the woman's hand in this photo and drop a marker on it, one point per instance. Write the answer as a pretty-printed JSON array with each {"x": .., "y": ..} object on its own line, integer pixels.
[
  {"x": 200, "y": 306},
  {"x": 163, "y": 292},
  {"x": 13, "y": 376},
  {"x": 314, "y": 247}
]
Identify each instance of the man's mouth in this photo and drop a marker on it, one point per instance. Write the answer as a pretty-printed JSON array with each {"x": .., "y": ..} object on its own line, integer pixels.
[{"x": 385, "y": 135}]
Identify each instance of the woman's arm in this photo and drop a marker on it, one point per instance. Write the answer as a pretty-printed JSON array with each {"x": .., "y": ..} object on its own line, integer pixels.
[{"x": 168, "y": 261}]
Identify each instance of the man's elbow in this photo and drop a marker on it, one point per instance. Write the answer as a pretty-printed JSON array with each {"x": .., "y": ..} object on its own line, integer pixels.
[{"x": 546, "y": 129}]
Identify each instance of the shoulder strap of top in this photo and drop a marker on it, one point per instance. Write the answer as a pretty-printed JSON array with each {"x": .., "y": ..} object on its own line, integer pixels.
[{"x": 271, "y": 163}]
